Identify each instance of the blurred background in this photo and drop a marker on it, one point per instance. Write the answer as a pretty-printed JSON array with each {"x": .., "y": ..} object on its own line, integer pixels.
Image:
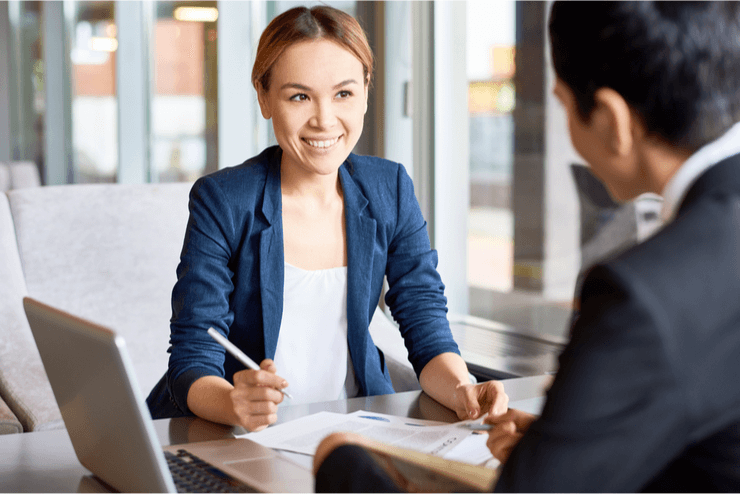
[{"x": 160, "y": 91}]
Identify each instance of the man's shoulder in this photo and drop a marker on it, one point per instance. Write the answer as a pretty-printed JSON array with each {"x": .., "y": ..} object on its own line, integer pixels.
[
  {"x": 688, "y": 274},
  {"x": 707, "y": 232}
]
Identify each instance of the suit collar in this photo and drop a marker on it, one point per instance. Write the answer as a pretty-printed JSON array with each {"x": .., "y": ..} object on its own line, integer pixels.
[
  {"x": 724, "y": 176},
  {"x": 355, "y": 201},
  {"x": 271, "y": 197},
  {"x": 272, "y": 255},
  {"x": 703, "y": 159},
  {"x": 361, "y": 230}
]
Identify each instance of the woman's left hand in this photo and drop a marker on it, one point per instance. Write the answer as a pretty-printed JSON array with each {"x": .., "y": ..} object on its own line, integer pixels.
[{"x": 474, "y": 400}]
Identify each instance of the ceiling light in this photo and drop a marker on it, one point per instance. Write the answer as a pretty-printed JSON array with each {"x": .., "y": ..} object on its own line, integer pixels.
[
  {"x": 103, "y": 44},
  {"x": 196, "y": 14}
]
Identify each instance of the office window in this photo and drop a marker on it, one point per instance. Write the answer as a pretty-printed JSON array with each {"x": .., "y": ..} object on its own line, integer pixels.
[
  {"x": 26, "y": 82},
  {"x": 93, "y": 47},
  {"x": 184, "y": 119},
  {"x": 523, "y": 251},
  {"x": 491, "y": 98}
]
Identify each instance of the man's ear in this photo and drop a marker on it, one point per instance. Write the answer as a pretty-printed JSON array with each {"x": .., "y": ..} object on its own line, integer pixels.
[
  {"x": 615, "y": 121},
  {"x": 264, "y": 102}
]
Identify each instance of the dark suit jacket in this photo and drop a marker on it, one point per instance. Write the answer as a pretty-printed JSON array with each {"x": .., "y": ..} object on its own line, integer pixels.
[
  {"x": 231, "y": 274},
  {"x": 647, "y": 395}
]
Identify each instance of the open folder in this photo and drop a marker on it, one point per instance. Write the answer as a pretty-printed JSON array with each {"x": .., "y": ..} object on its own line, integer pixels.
[{"x": 414, "y": 471}]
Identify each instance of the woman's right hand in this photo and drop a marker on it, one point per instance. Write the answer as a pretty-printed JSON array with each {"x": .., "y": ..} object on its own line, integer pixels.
[{"x": 256, "y": 395}]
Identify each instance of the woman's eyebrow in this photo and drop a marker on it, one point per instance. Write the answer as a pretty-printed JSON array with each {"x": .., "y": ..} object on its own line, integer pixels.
[
  {"x": 295, "y": 85},
  {"x": 301, "y": 87},
  {"x": 345, "y": 83}
]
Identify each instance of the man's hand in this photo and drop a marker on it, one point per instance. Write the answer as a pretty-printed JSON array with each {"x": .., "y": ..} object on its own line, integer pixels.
[
  {"x": 332, "y": 442},
  {"x": 507, "y": 431},
  {"x": 474, "y": 400}
]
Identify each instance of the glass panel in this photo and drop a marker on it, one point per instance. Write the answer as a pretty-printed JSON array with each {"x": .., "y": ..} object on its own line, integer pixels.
[
  {"x": 521, "y": 262},
  {"x": 184, "y": 101},
  {"x": 490, "y": 61},
  {"x": 26, "y": 82},
  {"x": 94, "y": 101}
]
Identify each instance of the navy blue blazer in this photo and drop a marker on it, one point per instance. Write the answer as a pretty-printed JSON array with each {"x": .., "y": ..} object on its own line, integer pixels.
[{"x": 231, "y": 275}]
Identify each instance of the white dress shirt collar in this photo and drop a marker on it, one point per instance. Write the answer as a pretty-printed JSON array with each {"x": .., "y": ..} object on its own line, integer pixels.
[{"x": 699, "y": 162}]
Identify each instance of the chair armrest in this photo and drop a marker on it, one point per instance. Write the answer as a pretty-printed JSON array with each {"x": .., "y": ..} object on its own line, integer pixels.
[{"x": 9, "y": 423}]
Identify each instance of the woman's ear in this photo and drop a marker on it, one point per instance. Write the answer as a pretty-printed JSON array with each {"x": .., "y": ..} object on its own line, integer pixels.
[
  {"x": 615, "y": 121},
  {"x": 264, "y": 102},
  {"x": 367, "y": 92}
]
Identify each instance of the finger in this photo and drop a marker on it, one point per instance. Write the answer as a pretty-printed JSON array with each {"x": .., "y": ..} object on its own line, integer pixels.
[
  {"x": 508, "y": 416},
  {"x": 502, "y": 439},
  {"x": 505, "y": 447},
  {"x": 253, "y": 415},
  {"x": 504, "y": 452},
  {"x": 498, "y": 398},
  {"x": 503, "y": 429},
  {"x": 259, "y": 378},
  {"x": 247, "y": 392},
  {"x": 467, "y": 397},
  {"x": 255, "y": 423},
  {"x": 268, "y": 365},
  {"x": 248, "y": 407},
  {"x": 522, "y": 420}
]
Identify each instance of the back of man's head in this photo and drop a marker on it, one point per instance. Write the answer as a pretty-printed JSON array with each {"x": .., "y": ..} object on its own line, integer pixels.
[{"x": 677, "y": 64}]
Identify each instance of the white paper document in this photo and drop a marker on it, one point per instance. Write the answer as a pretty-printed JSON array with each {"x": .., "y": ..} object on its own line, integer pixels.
[
  {"x": 473, "y": 450},
  {"x": 304, "y": 435}
]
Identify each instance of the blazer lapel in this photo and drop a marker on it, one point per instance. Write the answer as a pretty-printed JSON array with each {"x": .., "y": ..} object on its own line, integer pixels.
[
  {"x": 272, "y": 258},
  {"x": 360, "y": 244}
]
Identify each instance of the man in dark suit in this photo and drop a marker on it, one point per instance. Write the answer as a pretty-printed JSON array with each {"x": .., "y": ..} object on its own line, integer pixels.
[{"x": 647, "y": 395}]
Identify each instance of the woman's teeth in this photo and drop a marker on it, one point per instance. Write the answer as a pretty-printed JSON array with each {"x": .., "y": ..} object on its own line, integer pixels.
[{"x": 322, "y": 144}]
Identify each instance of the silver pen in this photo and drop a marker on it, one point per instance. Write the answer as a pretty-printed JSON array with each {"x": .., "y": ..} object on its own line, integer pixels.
[
  {"x": 476, "y": 426},
  {"x": 238, "y": 354}
]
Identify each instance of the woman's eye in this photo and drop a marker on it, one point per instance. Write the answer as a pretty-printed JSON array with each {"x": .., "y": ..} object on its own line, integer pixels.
[
  {"x": 299, "y": 97},
  {"x": 344, "y": 94}
]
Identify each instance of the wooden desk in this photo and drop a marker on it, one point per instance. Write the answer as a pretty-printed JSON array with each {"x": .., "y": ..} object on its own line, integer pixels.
[{"x": 46, "y": 462}]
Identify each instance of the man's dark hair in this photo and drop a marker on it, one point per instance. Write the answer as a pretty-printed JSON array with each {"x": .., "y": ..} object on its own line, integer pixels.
[{"x": 677, "y": 64}]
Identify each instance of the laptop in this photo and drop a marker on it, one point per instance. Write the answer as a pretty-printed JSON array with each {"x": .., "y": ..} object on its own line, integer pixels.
[{"x": 112, "y": 431}]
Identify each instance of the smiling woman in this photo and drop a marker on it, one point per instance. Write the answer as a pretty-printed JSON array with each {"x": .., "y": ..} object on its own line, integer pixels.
[
  {"x": 317, "y": 116},
  {"x": 286, "y": 254}
]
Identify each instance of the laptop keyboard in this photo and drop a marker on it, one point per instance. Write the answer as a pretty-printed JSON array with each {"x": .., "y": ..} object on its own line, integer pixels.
[{"x": 191, "y": 474}]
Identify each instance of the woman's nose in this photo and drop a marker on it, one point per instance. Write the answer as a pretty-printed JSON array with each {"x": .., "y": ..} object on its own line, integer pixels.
[{"x": 323, "y": 116}]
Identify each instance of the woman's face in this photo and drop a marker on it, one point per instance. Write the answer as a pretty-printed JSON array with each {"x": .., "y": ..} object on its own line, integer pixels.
[{"x": 317, "y": 102}]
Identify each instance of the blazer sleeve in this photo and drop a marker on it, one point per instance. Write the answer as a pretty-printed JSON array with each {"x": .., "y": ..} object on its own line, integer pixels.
[
  {"x": 200, "y": 298},
  {"x": 416, "y": 292},
  {"x": 613, "y": 417}
]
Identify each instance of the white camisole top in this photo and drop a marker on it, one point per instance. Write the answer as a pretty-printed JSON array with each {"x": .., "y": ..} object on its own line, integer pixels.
[{"x": 312, "y": 352}]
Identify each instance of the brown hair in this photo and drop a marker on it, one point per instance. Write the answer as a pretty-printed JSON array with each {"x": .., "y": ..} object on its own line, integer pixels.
[{"x": 301, "y": 24}]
